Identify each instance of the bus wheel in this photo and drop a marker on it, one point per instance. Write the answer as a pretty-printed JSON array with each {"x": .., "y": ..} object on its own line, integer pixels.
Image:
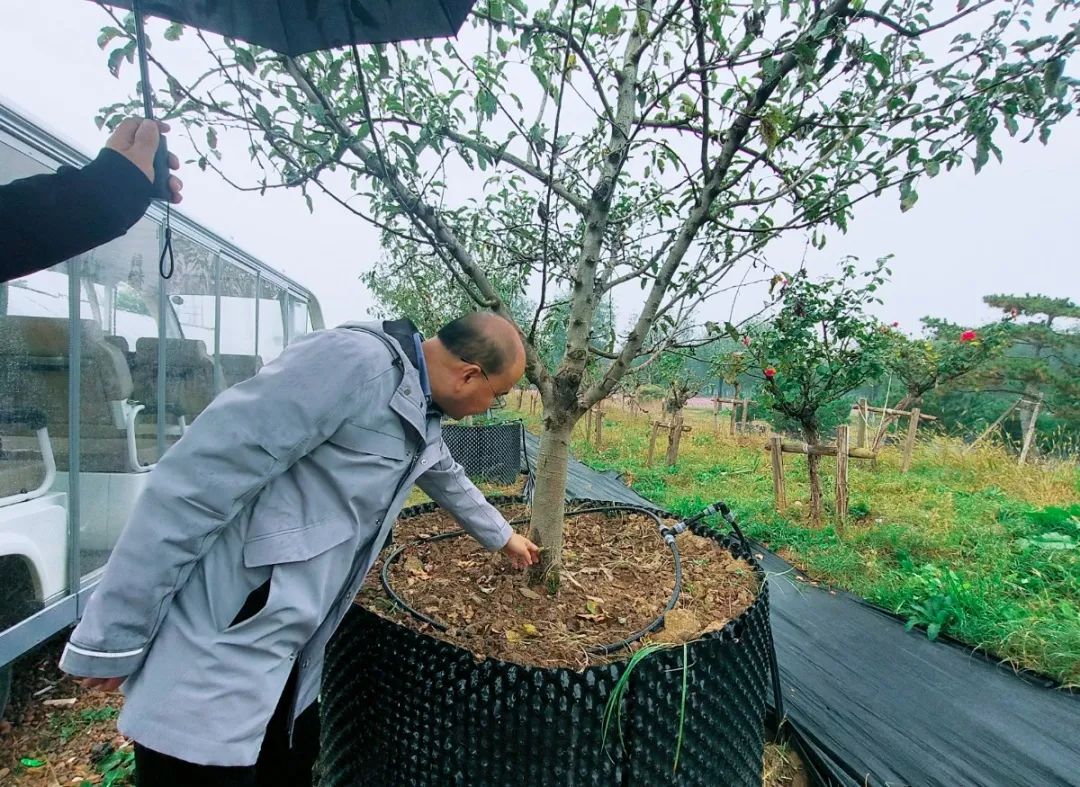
[{"x": 17, "y": 602}]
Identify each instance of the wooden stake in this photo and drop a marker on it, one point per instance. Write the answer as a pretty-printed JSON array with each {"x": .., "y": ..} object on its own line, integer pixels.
[
  {"x": 599, "y": 426},
  {"x": 652, "y": 442},
  {"x": 841, "y": 477},
  {"x": 1030, "y": 436},
  {"x": 745, "y": 411},
  {"x": 909, "y": 443},
  {"x": 777, "y": 450}
]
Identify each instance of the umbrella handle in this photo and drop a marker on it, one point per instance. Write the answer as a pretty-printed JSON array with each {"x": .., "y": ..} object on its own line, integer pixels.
[{"x": 161, "y": 171}]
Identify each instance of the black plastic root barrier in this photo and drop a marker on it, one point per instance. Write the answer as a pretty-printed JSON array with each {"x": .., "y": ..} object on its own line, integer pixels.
[
  {"x": 491, "y": 452},
  {"x": 402, "y": 708}
]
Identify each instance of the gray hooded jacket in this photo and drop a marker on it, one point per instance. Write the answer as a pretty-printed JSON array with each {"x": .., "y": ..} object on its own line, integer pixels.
[{"x": 291, "y": 478}]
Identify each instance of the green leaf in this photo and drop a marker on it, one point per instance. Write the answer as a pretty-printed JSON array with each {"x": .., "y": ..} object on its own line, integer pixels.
[
  {"x": 246, "y": 59},
  {"x": 982, "y": 153},
  {"x": 612, "y": 20},
  {"x": 1011, "y": 125},
  {"x": 211, "y": 138},
  {"x": 502, "y": 45},
  {"x": 174, "y": 31},
  {"x": 932, "y": 631},
  {"x": 908, "y": 198},
  {"x": 262, "y": 114},
  {"x": 878, "y": 61},
  {"x": 116, "y": 58},
  {"x": 932, "y": 167},
  {"x": 1052, "y": 73},
  {"x": 831, "y": 58},
  {"x": 107, "y": 35}
]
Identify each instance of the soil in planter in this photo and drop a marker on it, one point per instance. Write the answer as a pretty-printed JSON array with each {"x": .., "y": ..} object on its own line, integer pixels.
[{"x": 617, "y": 578}]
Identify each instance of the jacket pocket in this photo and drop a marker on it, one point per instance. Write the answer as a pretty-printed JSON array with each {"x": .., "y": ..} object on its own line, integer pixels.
[
  {"x": 369, "y": 441},
  {"x": 253, "y": 604},
  {"x": 266, "y": 547}
]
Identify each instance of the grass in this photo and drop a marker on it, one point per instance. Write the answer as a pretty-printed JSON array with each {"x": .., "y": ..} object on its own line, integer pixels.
[{"x": 965, "y": 544}]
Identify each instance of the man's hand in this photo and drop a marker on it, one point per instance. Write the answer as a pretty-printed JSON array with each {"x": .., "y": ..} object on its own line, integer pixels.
[
  {"x": 100, "y": 684},
  {"x": 521, "y": 551},
  {"x": 137, "y": 141}
]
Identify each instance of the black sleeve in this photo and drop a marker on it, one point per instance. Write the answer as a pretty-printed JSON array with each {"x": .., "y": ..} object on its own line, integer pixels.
[{"x": 46, "y": 219}]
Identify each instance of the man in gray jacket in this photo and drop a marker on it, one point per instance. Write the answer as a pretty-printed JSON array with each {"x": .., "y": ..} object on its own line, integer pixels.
[{"x": 254, "y": 534}]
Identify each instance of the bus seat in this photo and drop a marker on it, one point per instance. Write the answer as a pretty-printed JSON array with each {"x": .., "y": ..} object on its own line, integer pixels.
[
  {"x": 237, "y": 368},
  {"x": 189, "y": 376},
  {"x": 35, "y": 370},
  {"x": 121, "y": 343}
]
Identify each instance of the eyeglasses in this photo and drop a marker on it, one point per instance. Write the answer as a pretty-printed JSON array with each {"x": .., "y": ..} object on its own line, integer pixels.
[{"x": 498, "y": 401}]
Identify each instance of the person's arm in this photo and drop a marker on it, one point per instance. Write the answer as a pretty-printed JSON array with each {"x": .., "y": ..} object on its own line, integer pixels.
[
  {"x": 250, "y": 434},
  {"x": 46, "y": 219},
  {"x": 446, "y": 483}
]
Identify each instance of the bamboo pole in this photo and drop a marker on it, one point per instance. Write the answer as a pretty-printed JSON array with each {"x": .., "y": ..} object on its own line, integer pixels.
[
  {"x": 841, "y": 476},
  {"x": 891, "y": 411},
  {"x": 860, "y": 432},
  {"x": 777, "y": 450},
  {"x": 909, "y": 443},
  {"x": 994, "y": 425},
  {"x": 792, "y": 447}
]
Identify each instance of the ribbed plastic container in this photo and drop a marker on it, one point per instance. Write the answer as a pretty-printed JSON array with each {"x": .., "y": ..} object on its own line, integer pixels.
[
  {"x": 403, "y": 709},
  {"x": 491, "y": 452}
]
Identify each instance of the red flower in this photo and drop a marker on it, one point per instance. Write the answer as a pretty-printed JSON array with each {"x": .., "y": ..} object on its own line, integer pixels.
[
  {"x": 770, "y": 372},
  {"x": 896, "y": 325},
  {"x": 746, "y": 341},
  {"x": 968, "y": 336}
]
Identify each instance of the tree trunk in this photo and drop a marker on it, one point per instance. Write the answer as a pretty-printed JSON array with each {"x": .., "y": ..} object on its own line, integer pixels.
[
  {"x": 549, "y": 502},
  {"x": 813, "y": 463}
]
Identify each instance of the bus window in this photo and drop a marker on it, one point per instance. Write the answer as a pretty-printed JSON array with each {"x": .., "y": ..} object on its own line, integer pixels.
[
  {"x": 118, "y": 289},
  {"x": 236, "y": 359},
  {"x": 299, "y": 321},
  {"x": 271, "y": 320},
  {"x": 189, "y": 370}
]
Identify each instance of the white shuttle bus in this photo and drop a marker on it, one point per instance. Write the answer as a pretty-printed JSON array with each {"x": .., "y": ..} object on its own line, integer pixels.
[{"x": 103, "y": 365}]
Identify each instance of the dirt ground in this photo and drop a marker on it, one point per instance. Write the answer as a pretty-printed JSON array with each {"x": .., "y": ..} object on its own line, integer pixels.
[
  {"x": 617, "y": 576},
  {"x": 56, "y": 734}
]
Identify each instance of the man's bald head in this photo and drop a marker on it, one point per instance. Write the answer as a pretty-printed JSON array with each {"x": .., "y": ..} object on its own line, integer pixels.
[
  {"x": 472, "y": 361},
  {"x": 484, "y": 338}
]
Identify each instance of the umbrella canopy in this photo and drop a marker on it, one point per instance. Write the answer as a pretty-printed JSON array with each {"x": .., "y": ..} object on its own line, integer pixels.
[{"x": 294, "y": 27}]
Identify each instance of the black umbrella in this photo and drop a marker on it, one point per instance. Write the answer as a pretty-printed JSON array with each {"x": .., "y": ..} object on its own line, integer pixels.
[{"x": 294, "y": 27}]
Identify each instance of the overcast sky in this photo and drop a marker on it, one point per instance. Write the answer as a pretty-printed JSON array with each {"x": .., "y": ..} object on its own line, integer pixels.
[{"x": 1012, "y": 228}]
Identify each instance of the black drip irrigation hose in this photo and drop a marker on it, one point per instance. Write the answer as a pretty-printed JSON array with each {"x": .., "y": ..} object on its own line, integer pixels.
[{"x": 667, "y": 533}]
